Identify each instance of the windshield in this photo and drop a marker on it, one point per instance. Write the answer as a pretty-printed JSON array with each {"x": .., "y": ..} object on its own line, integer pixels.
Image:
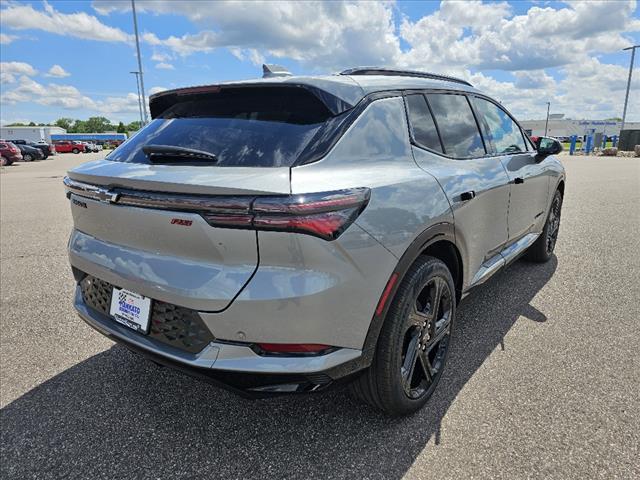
[{"x": 267, "y": 127}]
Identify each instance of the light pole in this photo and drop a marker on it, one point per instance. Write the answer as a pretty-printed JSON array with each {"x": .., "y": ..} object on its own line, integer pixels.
[
  {"x": 626, "y": 97},
  {"x": 139, "y": 97},
  {"x": 135, "y": 28},
  {"x": 546, "y": 123}
]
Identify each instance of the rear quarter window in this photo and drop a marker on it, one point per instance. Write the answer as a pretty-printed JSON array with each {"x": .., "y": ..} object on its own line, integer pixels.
[
  {"x": 423, "y": 128},
  {"x": 457, "y": 125}
]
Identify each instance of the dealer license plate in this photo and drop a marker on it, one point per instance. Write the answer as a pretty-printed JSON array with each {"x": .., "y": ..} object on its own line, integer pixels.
[{"x": 131, "y": 309}]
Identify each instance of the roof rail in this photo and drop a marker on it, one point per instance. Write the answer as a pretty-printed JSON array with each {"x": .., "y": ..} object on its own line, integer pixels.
[{"x": 402, "y": 73}]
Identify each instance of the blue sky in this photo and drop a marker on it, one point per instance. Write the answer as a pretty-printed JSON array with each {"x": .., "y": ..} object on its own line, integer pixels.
[{"x": 523, "y": 53}]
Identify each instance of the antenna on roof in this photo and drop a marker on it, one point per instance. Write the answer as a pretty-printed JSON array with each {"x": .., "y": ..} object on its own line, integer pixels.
[{"x": 272, "y": 70}]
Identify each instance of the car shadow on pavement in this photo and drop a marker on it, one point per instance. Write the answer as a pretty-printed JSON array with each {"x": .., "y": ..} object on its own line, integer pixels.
[{"x": 117, "y": 416}]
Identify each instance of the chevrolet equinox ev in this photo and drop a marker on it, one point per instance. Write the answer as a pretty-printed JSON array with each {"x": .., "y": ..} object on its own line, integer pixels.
[{"x": 291, "y": 233}]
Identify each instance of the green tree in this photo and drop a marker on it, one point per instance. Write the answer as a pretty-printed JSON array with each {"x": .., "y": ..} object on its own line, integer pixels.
[
  {"x": 64, "y": 122},
  {"x": 32, "y": 124},
  {"x": 98, "y": 125},
  {"x": 121, "y": 128},
  {"x": 78, "y": 127},
  {"x": 133, "y": 126},
  {"x": 17, "y": 124}
]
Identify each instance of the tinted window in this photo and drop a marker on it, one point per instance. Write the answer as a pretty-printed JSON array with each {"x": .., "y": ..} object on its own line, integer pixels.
[
  {"x": 457, "y": 125},
  {"x": 504, "y": 133},
  {"x": 422, "y": 124},
  {"x": 252, "y": 127}
]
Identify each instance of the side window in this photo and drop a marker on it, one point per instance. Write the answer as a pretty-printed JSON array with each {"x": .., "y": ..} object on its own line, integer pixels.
[
  {"x": 457, "y": 125},
  {"x": 504, "y": 133},
  {"x": 421, "y": 122}
]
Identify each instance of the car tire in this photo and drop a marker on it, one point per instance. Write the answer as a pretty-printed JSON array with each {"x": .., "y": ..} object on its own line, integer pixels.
[
  {"x": 4, "y": 161},
  {"x": 542, "y": 249},
  {"x": 27, "y": 157},
  {"x": 75, "y": 150},
  {"x": 412, "y": 348}
]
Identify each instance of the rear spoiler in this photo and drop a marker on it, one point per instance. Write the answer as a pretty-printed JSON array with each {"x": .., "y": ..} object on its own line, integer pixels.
[{"x": 159, "y": 102}]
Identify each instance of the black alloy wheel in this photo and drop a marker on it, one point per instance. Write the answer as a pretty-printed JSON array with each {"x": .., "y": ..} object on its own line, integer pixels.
[
  {"x": 426, "y": 340},
  {"x": 554, "y": 223},
  {"x": 413, "y": 344}
]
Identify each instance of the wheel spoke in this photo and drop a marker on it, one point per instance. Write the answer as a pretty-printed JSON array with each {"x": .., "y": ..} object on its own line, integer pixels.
[
  {"x": 426, "y": 366},
  {"x": 440, "y": 334},
  {"x": 410, "y": 359},
  {"x": 436, "y": 297},
  {"x": 418, "y": 318}
]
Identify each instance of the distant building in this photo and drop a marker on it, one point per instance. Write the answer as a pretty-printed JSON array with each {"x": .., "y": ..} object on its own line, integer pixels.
[
  {"x": 565, "y": 127},
  {"x": 31, "y": 134}
]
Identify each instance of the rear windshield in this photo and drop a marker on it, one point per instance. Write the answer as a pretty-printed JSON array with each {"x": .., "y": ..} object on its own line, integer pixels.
[{"x": 250, "y": 127}]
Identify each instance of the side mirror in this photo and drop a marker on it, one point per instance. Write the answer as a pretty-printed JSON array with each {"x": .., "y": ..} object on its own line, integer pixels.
[{"x": 547, "y": 146}]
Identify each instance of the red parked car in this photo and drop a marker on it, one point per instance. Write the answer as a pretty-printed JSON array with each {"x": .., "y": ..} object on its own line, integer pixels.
[
  {"x": 67, "y": 146},
  {"x": 9, "y": 153}
]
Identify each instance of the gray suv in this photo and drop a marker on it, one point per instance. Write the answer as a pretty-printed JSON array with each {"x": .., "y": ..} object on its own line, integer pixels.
[{"x": 288, "y": 234}]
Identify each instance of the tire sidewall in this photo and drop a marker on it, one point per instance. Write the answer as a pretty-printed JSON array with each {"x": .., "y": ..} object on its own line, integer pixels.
[
  {"x": 394, "y": 329},
  {"x": 546, "y": 225}
]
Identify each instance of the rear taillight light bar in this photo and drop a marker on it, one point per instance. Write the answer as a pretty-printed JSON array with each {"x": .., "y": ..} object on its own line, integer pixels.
[{"x": 324, "y": 214}]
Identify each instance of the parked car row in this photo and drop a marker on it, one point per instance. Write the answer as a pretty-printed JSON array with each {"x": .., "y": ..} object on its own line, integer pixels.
[
  {"x": 24, "y": 150},
  {"x": 74, "y": 146},
  {"x": 9, "y": 153},
  {"x": 46, "y": 149}
]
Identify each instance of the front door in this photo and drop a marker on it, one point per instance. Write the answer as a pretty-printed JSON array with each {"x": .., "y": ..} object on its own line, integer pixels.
[
  {"x": 529, "y": 191},
  {"x": 528, "y": 183}
]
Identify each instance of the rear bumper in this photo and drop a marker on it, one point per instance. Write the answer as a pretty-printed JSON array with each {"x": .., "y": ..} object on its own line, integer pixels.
[{"x": 233, "y": 366}]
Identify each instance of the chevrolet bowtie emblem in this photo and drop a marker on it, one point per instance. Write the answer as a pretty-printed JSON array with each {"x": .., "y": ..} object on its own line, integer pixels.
[{"x": 106, "y": 196}]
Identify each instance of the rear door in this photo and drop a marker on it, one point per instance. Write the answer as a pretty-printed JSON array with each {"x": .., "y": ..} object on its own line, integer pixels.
[
  {"x": 528, "y": 182},
  {"x": 448, "y": 144}
]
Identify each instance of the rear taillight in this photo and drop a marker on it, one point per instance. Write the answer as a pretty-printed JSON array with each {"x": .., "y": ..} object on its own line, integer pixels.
[{"x": 325, "y": 215}]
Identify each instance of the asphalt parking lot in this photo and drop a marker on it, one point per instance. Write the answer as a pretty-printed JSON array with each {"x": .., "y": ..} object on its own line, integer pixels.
[{"x": 543, "y": 379}]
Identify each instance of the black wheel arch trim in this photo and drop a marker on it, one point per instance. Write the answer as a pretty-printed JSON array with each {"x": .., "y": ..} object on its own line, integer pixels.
[{"x": 435, "y": 233}]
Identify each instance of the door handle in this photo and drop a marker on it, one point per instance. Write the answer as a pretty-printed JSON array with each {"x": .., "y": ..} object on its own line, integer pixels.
[
  {"x": 518, "y": 180},
  {"x": 465, "y": 196}
]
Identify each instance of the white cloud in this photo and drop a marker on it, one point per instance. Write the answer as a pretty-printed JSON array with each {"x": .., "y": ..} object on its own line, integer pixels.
[
  {"x": 552, "y": 53},
  {"x": 17, "y": 68},
  {"x": 57, "y": 71},
  {"x": 79, "y": 25},
  {"x": 164, "y": 66},
  {"x": 160, "y": 57},
  {"x": 7, "y": 78},
  {"x": 156, "y": 90},
  {"x": 533, "y": 79},
  {"x": 318, "y": 34},
  {"x": 64, "y": 96},
  {"x": 541, "y": 38},
  {"x": 6, "y": 39},
  {"x": 69, "y": 97}
]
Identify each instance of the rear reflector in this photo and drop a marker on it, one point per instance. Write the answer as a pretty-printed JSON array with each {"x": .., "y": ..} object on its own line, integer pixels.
[
  {"x": 293, "y": 347},
  {"x": 385, "y": 295}
]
